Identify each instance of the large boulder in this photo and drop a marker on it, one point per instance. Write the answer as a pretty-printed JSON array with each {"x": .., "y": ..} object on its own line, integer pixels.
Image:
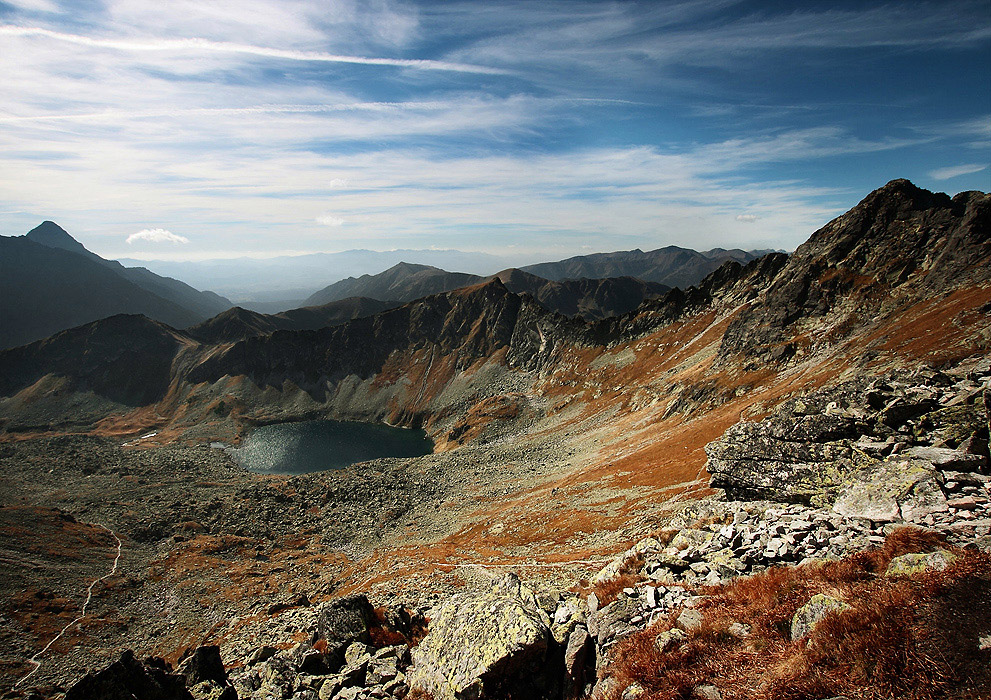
[
  {"x": 489, "y": 645},
  {"x": 205, "y": 675},
  {"x": 876, "y": 493},
  {"x": 340, "y": 623}
]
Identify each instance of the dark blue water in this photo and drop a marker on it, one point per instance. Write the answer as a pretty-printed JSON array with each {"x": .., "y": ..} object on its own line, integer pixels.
[{"x": 318, "y": 445}]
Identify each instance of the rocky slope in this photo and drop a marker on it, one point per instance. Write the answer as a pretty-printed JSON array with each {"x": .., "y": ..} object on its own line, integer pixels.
[{"x": 507, "y": 638}]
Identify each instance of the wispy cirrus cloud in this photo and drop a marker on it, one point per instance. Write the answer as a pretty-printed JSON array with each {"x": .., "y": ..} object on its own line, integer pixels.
[
  {"x": 267, "y": 124},
  {"x": 196, "y": 45},
  {"x": 956, "y": 171}
]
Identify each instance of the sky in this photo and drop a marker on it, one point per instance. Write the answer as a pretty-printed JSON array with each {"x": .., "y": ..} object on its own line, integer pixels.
[{"x": 194, "y": 129}]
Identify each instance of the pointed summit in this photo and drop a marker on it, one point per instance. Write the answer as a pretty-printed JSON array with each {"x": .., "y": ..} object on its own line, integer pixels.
[{"x": 50, "y": 234}]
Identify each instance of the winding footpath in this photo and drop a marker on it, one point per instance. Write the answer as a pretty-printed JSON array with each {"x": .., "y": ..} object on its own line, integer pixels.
[{"x": 89, "y": 596}]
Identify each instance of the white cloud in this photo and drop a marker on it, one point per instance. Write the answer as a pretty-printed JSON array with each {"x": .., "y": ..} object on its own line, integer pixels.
[
  {"x": 329, "y": 220},
  {"x": 747, "y": 218},
  {"x": 156, "y": 235},
  {"x": 956, "y": 171}
]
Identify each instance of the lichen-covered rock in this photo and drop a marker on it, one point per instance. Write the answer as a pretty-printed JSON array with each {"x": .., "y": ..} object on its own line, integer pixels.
[
  {"x": 911, "y": 564},
  {"x": 613, "y": 620},
  {"x": 811, "y": 614},
  {"x": 765, "y": 460},
  {"x": 924, "y": 499},
  {"x": 489, "y": 645},
  {"x": 874, "y": 494},
  {"x": 576, "y": 658}
]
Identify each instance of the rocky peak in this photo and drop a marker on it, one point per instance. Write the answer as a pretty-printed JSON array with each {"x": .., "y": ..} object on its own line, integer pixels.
[
  {"x": 50, "y": 234},
  {"x": 899, "y": 245}
]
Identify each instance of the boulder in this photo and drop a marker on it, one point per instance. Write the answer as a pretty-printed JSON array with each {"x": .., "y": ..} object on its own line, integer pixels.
[
  {"x": 488, "y": 645},
  {"x": 669, "y": 639},
  {"x": 343, "y": 621},
  {"x": 925, "y": 498},
  {"x": 203, "y": 664},
  {"x": 613, "y": 620},
  {"x": 812, "y": 613},
  {"x": 946, "y": 459},
  {"x": 576, "y": 658}
]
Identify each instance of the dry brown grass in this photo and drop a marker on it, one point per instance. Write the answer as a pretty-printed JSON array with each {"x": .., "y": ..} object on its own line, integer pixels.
[
  {"x": 384, "y": 635},
  {"x": 609, "y": 590},
  {"x": 907, "y": 638}
]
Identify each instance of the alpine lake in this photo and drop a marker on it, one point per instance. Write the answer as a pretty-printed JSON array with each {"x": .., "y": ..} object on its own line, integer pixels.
[{"x": 320, "y": 445}]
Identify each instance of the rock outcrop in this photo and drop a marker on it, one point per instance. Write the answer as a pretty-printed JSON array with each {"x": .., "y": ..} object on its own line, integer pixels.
[
  {"x": 885, "y": 450},
  {"x": 129, "y": 678}
]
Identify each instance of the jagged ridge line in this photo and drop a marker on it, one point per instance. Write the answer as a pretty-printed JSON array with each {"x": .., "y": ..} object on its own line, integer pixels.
[{"x": 89, "y": 597}]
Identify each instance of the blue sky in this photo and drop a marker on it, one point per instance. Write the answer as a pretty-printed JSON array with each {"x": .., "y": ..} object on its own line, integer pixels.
[{"x": 186, "y": 129}]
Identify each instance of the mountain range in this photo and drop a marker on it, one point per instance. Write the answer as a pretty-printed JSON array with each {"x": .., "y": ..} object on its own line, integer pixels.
[
  {"x": 50, "y": 282},
  {"x": 901, "y": 249},
  {"x": 590, "y": 298}
]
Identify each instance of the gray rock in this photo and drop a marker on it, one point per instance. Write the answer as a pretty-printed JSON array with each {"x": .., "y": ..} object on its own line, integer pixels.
[
  {"x": 690, "y": 619},
  {"x": 739, "y": 630},
  {"x": 873, "y": 494},
  {"x": 944, "y": 458},
  {"x": 911, "y": 564},
  {"x": 925, "y": 498},
  {"x": 669, "y": 639},
  {"x": 262, "y": 653},
  {"x": 482, "y": 646},
  {"x": 707, "y": 692},
  {"x": 576, "y": 657},
  {"x": 203, "y": 664}
]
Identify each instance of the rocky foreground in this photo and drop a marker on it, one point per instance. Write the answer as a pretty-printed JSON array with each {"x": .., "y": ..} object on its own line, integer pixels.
[{"x": 840, "y": 472}]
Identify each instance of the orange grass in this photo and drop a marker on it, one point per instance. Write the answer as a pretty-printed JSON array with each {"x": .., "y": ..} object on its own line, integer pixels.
[{"x": 908, "y": 638}]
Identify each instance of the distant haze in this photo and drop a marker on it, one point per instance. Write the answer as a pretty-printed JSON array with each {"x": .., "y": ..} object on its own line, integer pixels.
[{"x": 297, "y": 277}]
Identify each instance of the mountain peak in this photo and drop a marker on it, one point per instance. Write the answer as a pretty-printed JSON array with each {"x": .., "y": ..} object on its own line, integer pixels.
[{"x": 50, "y": 234}]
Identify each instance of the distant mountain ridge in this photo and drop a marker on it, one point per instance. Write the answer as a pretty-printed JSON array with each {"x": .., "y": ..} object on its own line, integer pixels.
[
  {"x": 591, "y": 299},
  {"x": 672, "y": 266},
  {"x": 401, "y": 282},
  {"x": 238, "y": 323},
  {"x": 50, "y": 282}
]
